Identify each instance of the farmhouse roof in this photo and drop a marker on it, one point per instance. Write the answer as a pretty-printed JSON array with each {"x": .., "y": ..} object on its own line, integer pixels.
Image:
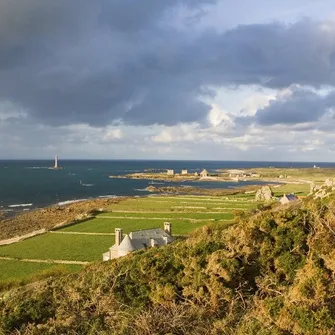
[
  {"x": 290, "y": 197},
  {"x": 126, "y": 245},
  {"x": 141, "y": 238}
]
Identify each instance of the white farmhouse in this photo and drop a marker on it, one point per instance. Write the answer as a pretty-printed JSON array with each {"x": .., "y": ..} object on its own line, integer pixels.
[{"x": 138, "y": 240}]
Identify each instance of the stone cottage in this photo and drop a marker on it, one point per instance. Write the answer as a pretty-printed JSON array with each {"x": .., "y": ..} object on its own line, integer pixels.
[
  {"x": 204, "y": 173},
  {"x": 170, "y": 172},
  {"x": 183, "y": 172},
  {"x": 285, "y": 199},
  {"x": 138, "y": 240}
]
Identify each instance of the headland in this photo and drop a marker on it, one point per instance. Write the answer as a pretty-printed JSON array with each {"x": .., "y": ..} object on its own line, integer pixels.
[{"x": 239, "y": 264}]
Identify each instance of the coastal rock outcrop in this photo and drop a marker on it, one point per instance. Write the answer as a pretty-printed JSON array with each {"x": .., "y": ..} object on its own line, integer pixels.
[
  {"x": 264, "y": 194},
  {"x": 323, "y": 191},
  {"x": 329, "y": 182}
]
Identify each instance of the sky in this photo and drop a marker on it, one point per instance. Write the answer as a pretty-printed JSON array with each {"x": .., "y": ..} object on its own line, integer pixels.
[{"x": 173, "y": 79}]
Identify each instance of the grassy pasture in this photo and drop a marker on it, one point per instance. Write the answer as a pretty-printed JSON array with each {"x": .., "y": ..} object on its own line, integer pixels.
[
  {"x": 170, "y": 215},
  {"x": 59, "y": 247},
  {"x": 100, "y": 225},
  {"x": 16, "y": 270},
  {"x": 182, "y": 204},
  {"x": 129, "y": 217},
  {"x": 298, "y": 189},
  {"x": 316, "y": 175},
  {"x": 231, "y": 199}
]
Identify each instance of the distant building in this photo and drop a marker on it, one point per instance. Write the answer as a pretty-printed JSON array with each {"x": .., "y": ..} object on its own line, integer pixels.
[
  {"x": 56, "y": 166},
  {"x": 138, "y": 240},
  {"x": 287, "y": 198},
  {"x": 196, "y": 174},
  {"x": 184, "y": 172},
  {"x": 170, "y": 172},
  {"x": 204, "y": 173}
]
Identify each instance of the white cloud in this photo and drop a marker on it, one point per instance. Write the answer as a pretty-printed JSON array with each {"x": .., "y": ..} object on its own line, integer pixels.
[{"x": 218, "y": 117}]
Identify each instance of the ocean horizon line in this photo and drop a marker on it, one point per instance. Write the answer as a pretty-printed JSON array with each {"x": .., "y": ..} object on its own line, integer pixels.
[{"x": 157, "y": 160}]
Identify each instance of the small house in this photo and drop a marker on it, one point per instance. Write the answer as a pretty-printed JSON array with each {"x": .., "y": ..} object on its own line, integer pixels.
[
  {"x": 138, "y": 240},
  {"x": 204, "y": 173},
  {"x": 183, "y": 172},
  {"x": 287, "y": 198},
  {"x": 170, "y": 172}
]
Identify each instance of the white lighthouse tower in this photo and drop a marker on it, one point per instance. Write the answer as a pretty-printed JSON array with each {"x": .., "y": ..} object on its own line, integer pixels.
[{"x": 56, "y": 162}]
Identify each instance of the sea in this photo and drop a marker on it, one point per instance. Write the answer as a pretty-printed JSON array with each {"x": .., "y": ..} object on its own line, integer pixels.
[{"x": 30, "y": 184}]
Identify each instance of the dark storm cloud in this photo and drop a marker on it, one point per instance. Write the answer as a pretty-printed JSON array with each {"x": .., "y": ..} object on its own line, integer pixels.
[
  {"x": 71, "y": 61},
  {"x": 131, "y": 16},
  {"x": 302, "y": 106},
  {"x": 105, "y": 61},
  {"x": 275, "y": 55}
]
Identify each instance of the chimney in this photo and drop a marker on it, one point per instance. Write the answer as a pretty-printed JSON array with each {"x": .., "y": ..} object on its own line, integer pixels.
[
  {"x": 118, "y": 236},
  {"x": 167, "y": 228},
  {"x": 152, "y": 242}
]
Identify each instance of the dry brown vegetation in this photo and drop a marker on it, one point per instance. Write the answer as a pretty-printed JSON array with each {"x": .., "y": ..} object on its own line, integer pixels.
[{"x": 271, "y": 273}]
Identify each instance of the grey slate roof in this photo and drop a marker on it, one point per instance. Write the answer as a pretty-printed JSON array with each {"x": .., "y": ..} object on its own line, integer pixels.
[
  {"x": 290, "y": 197},
  {"x": 141, "y": 239}
]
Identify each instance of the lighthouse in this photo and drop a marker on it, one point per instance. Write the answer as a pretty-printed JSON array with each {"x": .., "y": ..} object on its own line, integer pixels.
[{"x": 56, "y": 162}]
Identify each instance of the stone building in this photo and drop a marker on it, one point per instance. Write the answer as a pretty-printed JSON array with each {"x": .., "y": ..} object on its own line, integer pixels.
[
  {"x": 184, "y": 172},
  {"x": 287, "y": 198},
  {"x": 138, "y": 240},
  {"x": 170, "y": 172},
  {"x": 204, "y": 173}
]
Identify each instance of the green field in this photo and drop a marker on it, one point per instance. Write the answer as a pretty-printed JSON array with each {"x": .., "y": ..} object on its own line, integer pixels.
[
  {"x": 100, "y": 225},
  {"x": 82, "y": 242},
  {"x": 59, "y": 247},
  {"x": 170, "y": 215},
  {"x": 298, "y": 189},
  {"x": 170, "y": 204},
  {"x": 20, "y": 270}
]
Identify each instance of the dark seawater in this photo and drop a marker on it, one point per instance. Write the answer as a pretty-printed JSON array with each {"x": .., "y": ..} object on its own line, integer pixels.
[{"x": 32, "y": 184}]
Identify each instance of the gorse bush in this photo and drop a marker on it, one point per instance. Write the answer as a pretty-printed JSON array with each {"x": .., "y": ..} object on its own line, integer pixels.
[{"x": 270, "y": 273}]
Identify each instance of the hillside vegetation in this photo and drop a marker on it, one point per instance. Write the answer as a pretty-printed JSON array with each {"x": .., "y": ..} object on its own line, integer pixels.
[{"x": 270, "y": 273}]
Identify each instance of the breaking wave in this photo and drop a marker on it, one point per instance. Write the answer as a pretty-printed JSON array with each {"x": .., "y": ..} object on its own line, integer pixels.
[
  {"x": 20, "y": 205},
  {"x": 67, "y": 202}
]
